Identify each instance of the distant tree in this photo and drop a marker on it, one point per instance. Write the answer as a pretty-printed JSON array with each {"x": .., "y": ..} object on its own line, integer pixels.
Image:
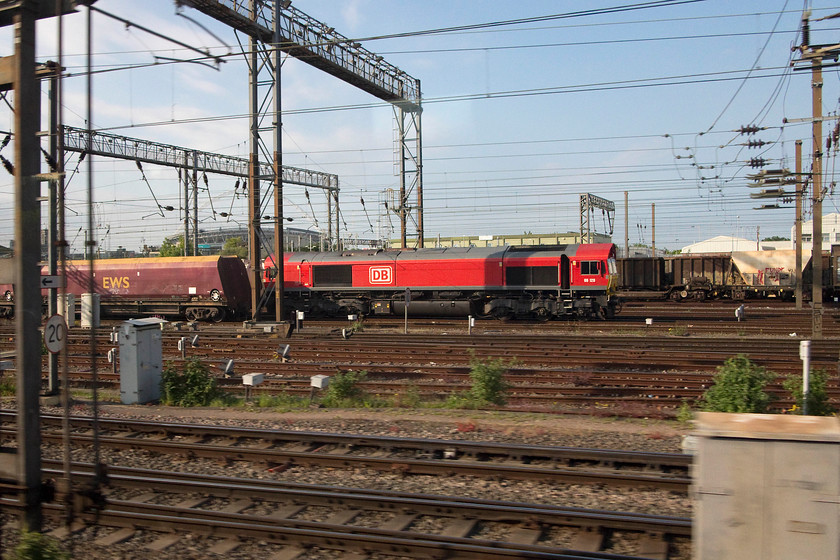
[
  {"x": 169, "y": 249},
  {"x": 234, "y": 246},
  {"x": 776, "y": 238}
]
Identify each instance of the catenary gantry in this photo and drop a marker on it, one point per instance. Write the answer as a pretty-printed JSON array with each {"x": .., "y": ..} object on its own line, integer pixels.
[{"x": 146, "y": 151}]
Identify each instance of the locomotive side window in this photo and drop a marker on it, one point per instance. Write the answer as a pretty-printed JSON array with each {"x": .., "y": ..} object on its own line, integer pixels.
[
  {"x": 332, "y": 275},
  {"x": 545, "y": 275},
  {"x": 590, "y": 268},
  {"x": 516, "y": 275},
  {"x": 531, "y": 276}
]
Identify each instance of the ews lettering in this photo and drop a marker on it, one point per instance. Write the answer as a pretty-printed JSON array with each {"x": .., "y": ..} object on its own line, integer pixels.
[{"x": 116, "y": 282}]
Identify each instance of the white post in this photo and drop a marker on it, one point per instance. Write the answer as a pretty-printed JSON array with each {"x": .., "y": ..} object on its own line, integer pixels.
[
  {"x": 407, "y": 301},
  {"x": 805, "y": 356}
]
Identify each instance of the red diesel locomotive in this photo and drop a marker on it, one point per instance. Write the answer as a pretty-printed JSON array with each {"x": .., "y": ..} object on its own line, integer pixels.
[{"x": 541, "y": 282}]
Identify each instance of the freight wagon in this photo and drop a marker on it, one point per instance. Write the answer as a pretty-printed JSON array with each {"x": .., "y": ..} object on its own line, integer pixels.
[
  {"x": 195, "y": 288},
  {"x": 738, "y": 275}
]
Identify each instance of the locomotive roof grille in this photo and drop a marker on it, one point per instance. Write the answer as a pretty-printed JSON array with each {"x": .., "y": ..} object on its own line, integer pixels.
[{"x": 538, "y": 248}]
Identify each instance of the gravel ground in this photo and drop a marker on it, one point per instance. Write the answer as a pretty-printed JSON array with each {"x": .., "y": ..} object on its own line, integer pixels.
[{"x": 640, "y": 435}]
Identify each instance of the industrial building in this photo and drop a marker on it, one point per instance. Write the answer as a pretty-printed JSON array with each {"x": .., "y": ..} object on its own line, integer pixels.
[{"x": 830, "y": 232}]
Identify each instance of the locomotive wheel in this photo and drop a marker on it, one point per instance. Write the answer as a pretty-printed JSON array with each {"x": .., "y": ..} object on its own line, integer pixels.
[
  {"x": 503, "y": 313},
  {"x": 542, "y": 314},
  {"x": 191, "y": 314}
]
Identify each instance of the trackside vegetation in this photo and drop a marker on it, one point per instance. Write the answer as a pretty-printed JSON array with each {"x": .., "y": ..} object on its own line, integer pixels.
[
  {"x": 739, "y": 386},
  {"x": 37, "y": 546},
  {"x": 817, "y": 393},
  {"x": 192, "y": 385},
  {"x": 488, "y": 385}
]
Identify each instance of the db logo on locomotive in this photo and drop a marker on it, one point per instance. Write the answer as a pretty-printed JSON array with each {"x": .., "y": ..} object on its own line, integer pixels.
[{"x": 380, "y": 275}]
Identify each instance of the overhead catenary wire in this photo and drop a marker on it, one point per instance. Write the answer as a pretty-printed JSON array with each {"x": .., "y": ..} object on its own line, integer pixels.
[
  {"x": 160, "y": 208},
  {"x": 512, "y": 168}
]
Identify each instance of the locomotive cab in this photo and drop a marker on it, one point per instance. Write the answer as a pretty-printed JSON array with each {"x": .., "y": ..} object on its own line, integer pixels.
[{"x": 594, "y": 273}]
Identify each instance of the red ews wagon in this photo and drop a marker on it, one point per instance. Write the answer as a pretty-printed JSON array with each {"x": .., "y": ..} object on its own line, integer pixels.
[
  {"x": 540, "y": 282},
  {"x": 196, "y": 288}
]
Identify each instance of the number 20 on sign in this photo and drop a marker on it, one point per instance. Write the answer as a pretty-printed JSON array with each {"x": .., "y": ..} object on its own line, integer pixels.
[{"x": 55, "y": 334}]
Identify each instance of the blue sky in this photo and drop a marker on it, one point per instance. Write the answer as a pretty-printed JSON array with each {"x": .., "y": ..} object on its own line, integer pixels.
[{"x": 646, "y": 101}]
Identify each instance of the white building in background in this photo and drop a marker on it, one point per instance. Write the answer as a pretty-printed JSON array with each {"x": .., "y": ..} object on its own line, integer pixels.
[
  {"x": 830, "y": 233},
  {"x": 727, "y": 244}
]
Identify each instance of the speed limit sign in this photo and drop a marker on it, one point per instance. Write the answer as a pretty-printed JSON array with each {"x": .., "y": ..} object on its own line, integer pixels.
[{"x": 55, "y": 333}]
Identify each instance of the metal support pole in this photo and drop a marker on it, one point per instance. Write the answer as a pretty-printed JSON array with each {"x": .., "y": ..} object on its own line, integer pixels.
[
  {"x": 331, "y": 245},
  {"x": 402, "y": 208},
  {"x": 419, "y": 170},
  {"x": 653, "y": 230},
  {"x": 186, "y": 205},
  {"x": 798, "y": 224},
  {"x": 64, "y": 484},
  {"x": 195, "y": 204},
  {"x": 816, "y": 192},
  {"x": 27, "y": 255},
  {"x": 279, "y": 241},
  {"x": 626, "y": 227},
  {"x": 52, "y": 241},
  {"x": 92, "y": 344},
  {"x": 253, "y": 176}
]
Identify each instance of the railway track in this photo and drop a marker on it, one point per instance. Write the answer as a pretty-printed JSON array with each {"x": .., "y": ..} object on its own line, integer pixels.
[
  {"x": 228, "y": 511},
  {"x": 591, "y": 367},
  {"x": 279, "y": 449},
  {"x": 652, "y": 373},
  {"x": 763, "y": 318},
  {"x": 154, "y": 508}
]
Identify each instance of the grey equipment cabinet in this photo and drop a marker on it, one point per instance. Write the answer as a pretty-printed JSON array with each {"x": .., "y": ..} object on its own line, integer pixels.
[
  {"x": 766, "y": 486},
  {"x": 141, "y": 360}
]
